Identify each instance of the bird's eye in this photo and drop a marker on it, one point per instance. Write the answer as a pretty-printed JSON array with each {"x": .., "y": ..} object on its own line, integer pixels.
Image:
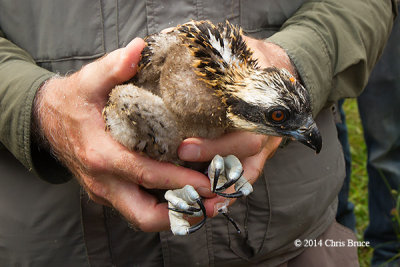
[{"x": 278, "y": 115}]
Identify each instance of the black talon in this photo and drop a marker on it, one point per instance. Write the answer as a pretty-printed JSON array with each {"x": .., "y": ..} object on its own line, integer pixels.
[
  {"x": 194, "y": 209},
  {"x": 228, "y": 184},
  {"x": 216, "y": 177},
  {"x": 182, "y": 211},
  {"x": 232, "y": 222},
  {"x": 201, "y": 205},
  {"x": 196, "y": 227},
  {"x": 233, "y": 195},
  {"x": 190, "y": 211}
]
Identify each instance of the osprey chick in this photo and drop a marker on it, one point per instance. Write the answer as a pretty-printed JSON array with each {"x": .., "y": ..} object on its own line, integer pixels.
[{"x": 201, "y": 80}]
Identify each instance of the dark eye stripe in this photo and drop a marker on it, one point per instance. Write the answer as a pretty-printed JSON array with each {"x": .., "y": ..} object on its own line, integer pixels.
[{"x": 246, "y": 111}]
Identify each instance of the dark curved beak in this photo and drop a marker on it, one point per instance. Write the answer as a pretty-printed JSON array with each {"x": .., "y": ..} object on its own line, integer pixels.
[{"x": 309, "y": 135}]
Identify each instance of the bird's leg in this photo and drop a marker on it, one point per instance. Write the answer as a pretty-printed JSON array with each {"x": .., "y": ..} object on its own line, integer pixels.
[
  {"x": 226, "y": 171},
  {"x": 184, "y": 201}
]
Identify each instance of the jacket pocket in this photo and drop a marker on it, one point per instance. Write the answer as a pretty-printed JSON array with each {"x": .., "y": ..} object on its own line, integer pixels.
[
  {"x": 252, "y": 214},
  {"x": 54, "y": 30}
]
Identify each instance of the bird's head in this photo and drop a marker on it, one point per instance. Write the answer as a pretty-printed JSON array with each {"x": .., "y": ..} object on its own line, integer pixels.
[{"x": 272, "y": 102}]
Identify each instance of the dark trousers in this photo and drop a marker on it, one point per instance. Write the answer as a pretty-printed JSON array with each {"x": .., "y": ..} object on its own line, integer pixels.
[{"x": 379, "y": 107}]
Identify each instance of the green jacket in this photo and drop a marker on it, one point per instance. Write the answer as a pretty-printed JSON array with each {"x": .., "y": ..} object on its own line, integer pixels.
[{"x": 333, "y": 44}]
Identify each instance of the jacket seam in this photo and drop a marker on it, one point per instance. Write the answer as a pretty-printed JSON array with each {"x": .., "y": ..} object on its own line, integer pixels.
[
  {"x": 260, "y": 29},
  {"x": 117, "y": 21},
  {"x": 95, "y": 56},
  {"x": 326, "y": 54},
  {"x": 269, "y": 214},
  {"x": 102, "y": 26}
]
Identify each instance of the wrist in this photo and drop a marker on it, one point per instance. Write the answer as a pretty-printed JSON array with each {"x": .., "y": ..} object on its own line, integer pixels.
[
  {"x": 41, "y": 114},
  {"x": 36, "y": 129}
]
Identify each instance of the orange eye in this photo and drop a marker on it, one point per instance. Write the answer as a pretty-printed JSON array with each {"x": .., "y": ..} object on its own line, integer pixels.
[{"x": 278, "y": 115}]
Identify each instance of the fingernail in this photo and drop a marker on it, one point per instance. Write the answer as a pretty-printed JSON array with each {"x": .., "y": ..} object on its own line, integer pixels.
[
  {"x": 189, "y": 152},
  {"x": 221, "y": 207}
]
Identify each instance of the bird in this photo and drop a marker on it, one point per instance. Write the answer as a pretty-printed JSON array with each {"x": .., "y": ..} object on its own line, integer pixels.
[{"x": 201, "y": 79}]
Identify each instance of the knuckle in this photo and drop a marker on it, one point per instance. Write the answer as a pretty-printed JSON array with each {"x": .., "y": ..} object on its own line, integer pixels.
[
  {"x": 144, "y": 223},
  {"x": 95, "y": 198},
  {"x": 135, "y": 220},
  {"x": 95, "y": 188},
  {"x": 93, "y": 160},
  {"x": 115, "y": 66},
  {"x": 256, "y": 145},
  {"x": 141, "y": 224},
  {"x": 98, "y": 190},
  {"x": 253, "y": 173},
  {"x": 114, "y": 74},
  {"x": 148, "y": 179}
]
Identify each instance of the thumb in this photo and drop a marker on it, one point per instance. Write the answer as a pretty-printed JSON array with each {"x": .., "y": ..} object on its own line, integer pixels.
[{"x": 112, "y": 69}]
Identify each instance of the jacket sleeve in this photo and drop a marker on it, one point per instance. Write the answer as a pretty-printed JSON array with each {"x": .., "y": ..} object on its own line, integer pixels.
[
  {"x": 334, "y": 45},
  {"x": 20, "y": 78}
]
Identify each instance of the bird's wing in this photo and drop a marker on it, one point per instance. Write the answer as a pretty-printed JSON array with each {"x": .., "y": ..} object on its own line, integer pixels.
[{"x": 158, "y": 48}]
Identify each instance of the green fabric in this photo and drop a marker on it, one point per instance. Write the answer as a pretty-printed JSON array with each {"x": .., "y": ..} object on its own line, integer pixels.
[
  {"x": 19, "y": 80},
  {"x": 334, "y": 45},
  {"x": 62, "y": 37}
]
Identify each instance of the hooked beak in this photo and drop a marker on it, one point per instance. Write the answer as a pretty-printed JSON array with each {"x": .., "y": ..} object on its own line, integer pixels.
[{"x": 309, "y": 135}]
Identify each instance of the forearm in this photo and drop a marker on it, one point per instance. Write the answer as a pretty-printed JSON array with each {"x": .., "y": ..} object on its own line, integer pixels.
[
  {"x": 334, "y": 45},
  {"x": 19, "y": 80}
]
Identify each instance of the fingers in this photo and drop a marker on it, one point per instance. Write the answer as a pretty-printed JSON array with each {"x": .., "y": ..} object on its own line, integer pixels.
[
  {"x": 137, "y": 206},
  {"x": 240, "y": 144},
  {"x": 104, "y": 155},
  {"x": 152, "y": 174},
  {"x": 254, "y": 165},
  {"x": 112, "y": 69}
]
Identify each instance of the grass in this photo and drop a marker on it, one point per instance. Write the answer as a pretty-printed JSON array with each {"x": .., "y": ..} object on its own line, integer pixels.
[{"x": 359, "y": 178}]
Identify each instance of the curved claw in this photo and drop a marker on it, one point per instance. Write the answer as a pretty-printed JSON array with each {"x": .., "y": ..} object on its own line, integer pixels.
[
  {"x": 181, "y": 211},
  {"x": 242, "y": 186},
  {"x": 201, "y": 205},
  {"x": 196, "y": 227},
  {"x": 229, "y": 183},
  {"x": 232, "y": 195},
  {"x": 216, "y": 176},
  {"x": 225, "y": 172},
  {"x": 180, "y": 202},
  {"x": 232, "y": 222}
]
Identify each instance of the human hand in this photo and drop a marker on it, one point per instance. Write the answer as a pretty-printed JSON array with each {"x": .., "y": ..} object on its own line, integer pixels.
[
  {"x": 68, "y": 114},
  {"x": 251, "y": 149}
]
